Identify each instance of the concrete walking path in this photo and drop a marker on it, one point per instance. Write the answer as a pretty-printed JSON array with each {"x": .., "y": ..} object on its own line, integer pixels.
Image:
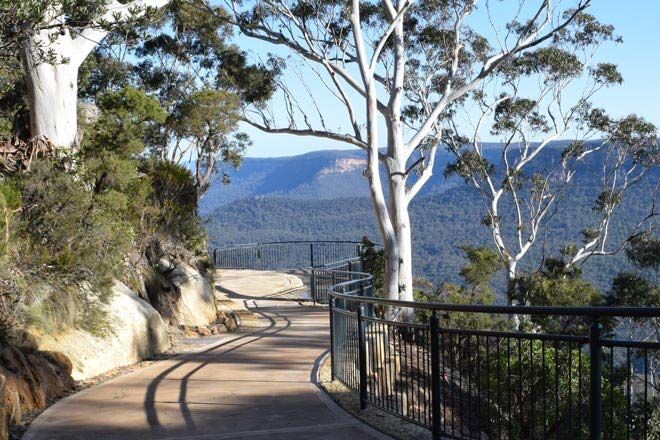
[{"x": 254, "y": 386}]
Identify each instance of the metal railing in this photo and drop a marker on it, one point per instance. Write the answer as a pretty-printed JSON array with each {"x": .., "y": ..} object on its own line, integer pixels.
[
  {"x": 576, "y": 372},
  {"x": 469, "y": 382},
  {"x": 321, "y": 259}
]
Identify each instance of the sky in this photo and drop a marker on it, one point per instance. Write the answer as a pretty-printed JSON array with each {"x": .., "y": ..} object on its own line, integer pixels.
[{"x": 638, "y": 59}]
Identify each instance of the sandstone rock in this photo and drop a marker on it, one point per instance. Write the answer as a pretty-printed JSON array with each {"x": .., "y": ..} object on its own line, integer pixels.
[
  {"x": 26, "y": 341},
  {"x": 221, "y": 316},
  {"x": 181, "y": 294},
  {"x": 28, "y": 381},
  {"x": 60, "y": 360},
  {"x": 164, "y": 266},
  {"x": 203, "y": 330},
  {"x": 4, "y": 420},
  {"x": 189, "y": 332},
  {"x": 218, "y": 328},
  {"x": 196, "y": 302},
  {"x": 231, "y": 323},
  {"x": 137, "y": 332}
]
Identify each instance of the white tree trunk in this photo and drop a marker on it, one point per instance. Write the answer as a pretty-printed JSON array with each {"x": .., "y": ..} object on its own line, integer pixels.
[
  {"x": 511, "y": 267},
  {"x": 53, "y": 95},
  {"x": 401, "y": 222},
  {"x": 385, "y": 227},
  {"x": 53, "y": 88}
]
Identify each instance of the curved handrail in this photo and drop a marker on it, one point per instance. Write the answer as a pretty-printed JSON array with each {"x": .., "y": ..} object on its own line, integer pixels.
[
  {"x": 265, "y": 243},
  {"x": 589, "y": 311},
  {"x": 339, "y": 290}
]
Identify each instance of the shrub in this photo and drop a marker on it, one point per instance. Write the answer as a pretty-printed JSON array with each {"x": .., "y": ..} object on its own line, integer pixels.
[{"x": 174, "y": 198}]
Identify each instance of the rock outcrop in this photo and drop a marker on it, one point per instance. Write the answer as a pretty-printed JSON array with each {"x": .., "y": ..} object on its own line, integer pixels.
[
  {"x": 182, "y": 295},
  {"x": 137, "y": 332},
  {"x": 28, "y": 381}
]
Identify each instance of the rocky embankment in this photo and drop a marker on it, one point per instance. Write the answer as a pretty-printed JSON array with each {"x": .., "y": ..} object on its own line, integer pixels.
[
  {"x": 176, "y": 300},
  {"x": 29, "y": 380}
]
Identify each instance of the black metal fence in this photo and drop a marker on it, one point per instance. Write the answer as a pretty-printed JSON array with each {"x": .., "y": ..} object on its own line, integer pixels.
[
  {"x": 322, "y": 260},
  {"x": 466, "y": 382},
  {"x": 464, "y": 373}
]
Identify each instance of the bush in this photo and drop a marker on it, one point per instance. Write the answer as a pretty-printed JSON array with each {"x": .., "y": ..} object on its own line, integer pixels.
[{"x": 174, "y": 198}]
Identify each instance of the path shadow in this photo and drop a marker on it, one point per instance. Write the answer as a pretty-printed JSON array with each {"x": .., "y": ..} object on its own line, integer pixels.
[
  {"x": 150, "y": 402},
  {"x": 272, "y": 297}
]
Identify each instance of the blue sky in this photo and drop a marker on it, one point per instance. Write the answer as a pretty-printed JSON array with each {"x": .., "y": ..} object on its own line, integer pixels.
[{"x": 638, "y": 58}]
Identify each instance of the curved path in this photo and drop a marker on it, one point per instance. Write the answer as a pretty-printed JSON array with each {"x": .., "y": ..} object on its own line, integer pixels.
[{"x": 254, "y": 386}]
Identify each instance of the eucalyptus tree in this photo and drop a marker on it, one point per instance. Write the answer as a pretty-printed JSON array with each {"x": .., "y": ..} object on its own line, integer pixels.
[
  {"x": 182, "y": 59},
  {"x": 533, "y": 102},
  {"x": 53, "y": 38},
  {"x": 398, "y": 70},
  {"x": 185, "y": 60}
]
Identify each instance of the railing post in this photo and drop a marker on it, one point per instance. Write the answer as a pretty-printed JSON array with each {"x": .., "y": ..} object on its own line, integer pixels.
[
  {"x": 595, "y": 386},
  {"x": 362, "y": 356},
  {"x": 312, "y": 280},
  {"x": 436, "y": 421},
  {"x": 331, "y": 307}
]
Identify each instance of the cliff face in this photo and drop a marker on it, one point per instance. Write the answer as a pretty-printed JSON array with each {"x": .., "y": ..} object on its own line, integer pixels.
[{"x": 29, "y": 379}]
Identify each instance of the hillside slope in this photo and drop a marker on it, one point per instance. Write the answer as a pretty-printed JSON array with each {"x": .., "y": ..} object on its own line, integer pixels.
[{"x": 445, "y": 217}]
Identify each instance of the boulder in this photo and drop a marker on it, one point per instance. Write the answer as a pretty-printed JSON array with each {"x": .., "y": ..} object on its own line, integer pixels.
[
  {"x": 28, "y": 381},
  {"x": 203, "y": 330},
  {"x": 189, "y": 332},
  {"x": 218, "y": 328},
  {"x": 181, "y": 294},
  {"x": 137, "y": 332},
  {"x": 231, "y": 323}
]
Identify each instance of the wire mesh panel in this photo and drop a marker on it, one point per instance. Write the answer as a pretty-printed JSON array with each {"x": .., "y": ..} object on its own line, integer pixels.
[{"x": 345, "y": 365}]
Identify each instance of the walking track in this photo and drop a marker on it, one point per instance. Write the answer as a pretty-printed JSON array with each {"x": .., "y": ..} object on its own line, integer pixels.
[{"x": 253, "y": 386}]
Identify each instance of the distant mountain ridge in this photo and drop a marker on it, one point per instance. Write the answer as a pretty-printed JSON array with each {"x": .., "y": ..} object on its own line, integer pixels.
[
  {"x": 324, "y": 195},
  {"x": 320, "y": 175}
]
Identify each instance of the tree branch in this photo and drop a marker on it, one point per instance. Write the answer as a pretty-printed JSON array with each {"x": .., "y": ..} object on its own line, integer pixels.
[{"x": 116, "y": 12}]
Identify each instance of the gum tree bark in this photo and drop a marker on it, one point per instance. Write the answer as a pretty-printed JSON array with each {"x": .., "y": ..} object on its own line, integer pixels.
[{"x": 52, "y": 57}]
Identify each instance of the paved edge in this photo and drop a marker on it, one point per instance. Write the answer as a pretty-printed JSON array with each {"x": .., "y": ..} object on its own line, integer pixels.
[{"x": 315, "y": 379}]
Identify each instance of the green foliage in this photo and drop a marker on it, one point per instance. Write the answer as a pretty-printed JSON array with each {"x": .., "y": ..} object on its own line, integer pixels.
[
  {"x": 644, "y": 251},
  {"x": 482, "y": 265},
  {"x": 556, "y": 285},
  {"x": 70, "y": 244},
  {"x": 13, "y": 94},
  {"x": 10, "y": 203},
  {"x": 206, "y": 113},
  {"x": 125, "y": 118},
  {"x": 174, "y": 198},
  {"x": 373, "y": 262},
  {"x": 633, "y": 290},
  {"x": 541, "y": 370},
  {"x": 477, "y": 273}
]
